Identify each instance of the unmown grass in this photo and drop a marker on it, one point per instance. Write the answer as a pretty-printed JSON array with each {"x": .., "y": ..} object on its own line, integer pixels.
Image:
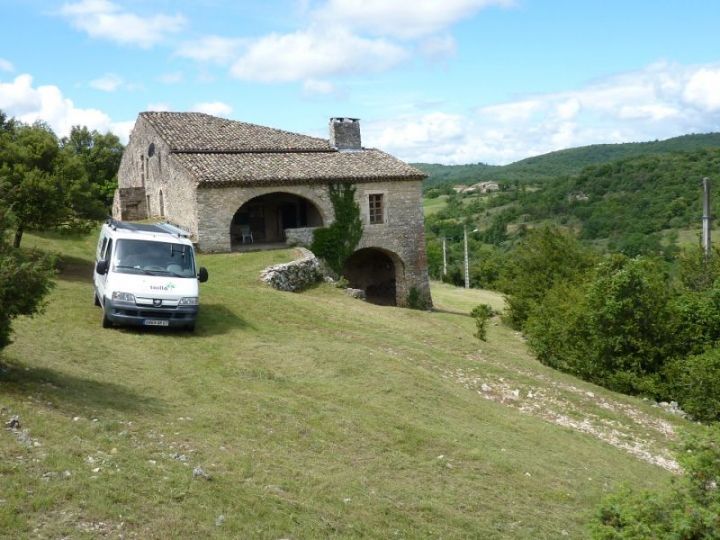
[{"x": 313, "y": 414}]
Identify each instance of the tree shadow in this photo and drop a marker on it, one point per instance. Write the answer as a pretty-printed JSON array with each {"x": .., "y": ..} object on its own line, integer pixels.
[
  {"x": 63, "y": 389},
  {"x": 74, "y": 269}
]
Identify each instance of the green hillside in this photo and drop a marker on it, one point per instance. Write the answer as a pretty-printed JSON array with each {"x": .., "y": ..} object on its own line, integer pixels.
[
  {"x": 313, "y": 414},
  {"x": 540, "y": 169}
]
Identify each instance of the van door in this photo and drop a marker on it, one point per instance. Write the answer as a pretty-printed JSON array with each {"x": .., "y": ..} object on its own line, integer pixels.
[{"x": 101, "y": 279}]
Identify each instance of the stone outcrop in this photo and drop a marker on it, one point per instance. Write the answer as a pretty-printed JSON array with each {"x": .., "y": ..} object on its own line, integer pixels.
[{"x": 296, "y": 275}]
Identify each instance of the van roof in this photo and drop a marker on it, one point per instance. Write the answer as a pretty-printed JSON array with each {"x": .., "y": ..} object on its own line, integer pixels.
[{"x": 157, "y": 231}]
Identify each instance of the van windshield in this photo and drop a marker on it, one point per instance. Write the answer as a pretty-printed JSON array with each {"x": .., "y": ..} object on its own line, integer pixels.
[{"x": 154, "y": 258}]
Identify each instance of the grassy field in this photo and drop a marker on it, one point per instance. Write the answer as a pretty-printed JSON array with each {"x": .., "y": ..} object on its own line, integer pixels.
[{"x": 313, "y": 414}]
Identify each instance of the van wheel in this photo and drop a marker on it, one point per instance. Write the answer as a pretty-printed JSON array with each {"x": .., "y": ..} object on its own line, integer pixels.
[
  {"x": 97, "y": 302},
  {"x": 190, "y": 328},
  {"x": 106, "y": 323}
]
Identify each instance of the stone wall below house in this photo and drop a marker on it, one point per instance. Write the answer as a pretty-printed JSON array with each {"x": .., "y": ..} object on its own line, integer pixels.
[
  {"x": 300, "y": 236},
  {"x": 296, "y": 275}
]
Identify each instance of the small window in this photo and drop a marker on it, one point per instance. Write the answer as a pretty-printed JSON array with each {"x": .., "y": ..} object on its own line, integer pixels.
[
  {"x": 377, "y": 209},
  {"x": 162, "y": 204},
  {"x": 142, "y": 170},
  {"x": 147, "y": 203}
]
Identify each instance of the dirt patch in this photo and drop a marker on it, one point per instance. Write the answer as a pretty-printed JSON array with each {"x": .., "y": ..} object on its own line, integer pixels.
[{"x": 619, "y": 424}]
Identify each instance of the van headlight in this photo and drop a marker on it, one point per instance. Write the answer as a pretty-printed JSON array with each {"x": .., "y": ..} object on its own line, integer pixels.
[
  {"x": 189, "y": 301},
  {"x": 123, "y": 297}
]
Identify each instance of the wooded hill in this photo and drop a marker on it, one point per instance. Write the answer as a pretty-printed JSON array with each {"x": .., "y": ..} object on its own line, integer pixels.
[{"x": 546, "y": 167}]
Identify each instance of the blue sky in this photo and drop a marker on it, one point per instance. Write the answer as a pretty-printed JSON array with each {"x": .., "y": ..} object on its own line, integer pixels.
[{"x": 447, "y": 81}]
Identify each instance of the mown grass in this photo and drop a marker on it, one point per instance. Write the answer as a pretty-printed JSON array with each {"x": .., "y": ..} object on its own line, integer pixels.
[{"x": 314, "y": 414}]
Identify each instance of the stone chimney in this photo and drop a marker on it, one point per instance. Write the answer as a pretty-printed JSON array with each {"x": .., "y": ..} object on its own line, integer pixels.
[{"x": 345, "y": 133}]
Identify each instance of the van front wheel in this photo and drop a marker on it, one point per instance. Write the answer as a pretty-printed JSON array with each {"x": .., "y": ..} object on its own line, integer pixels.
[{"x": 106, "y": 323}]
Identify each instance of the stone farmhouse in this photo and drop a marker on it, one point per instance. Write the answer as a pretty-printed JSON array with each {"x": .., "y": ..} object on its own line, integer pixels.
[{"x": 239, "y": 186}]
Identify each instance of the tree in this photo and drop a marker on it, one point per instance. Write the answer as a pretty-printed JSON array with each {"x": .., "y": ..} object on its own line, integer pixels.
[
  {"x": 41, "y": 185},
  {"x": 544, "y": 257},
  {"x": 100, "y": 155},
  {"x": 24, "y": 282}
]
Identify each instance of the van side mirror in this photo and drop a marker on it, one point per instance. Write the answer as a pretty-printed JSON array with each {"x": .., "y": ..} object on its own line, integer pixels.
[
  {"x": 202, "y": 274},
  {"x": 101, "y": 267}
]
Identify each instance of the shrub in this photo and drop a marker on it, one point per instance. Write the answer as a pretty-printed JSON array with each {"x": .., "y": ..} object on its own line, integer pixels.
[
  {"x": 695, "y": 384},
  {"x": 482, "y": 313},
  {"x": 689, "y": 510},
  {"x": 415, "y": 299},
  {"x": 335, "y": 243}
]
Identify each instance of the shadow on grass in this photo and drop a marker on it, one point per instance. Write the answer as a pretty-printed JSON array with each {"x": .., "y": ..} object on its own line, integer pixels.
[
  {"x": 74, "y": 269},
  {"x": 213, "y": 320},
  {"x": 68, "y": 390}
]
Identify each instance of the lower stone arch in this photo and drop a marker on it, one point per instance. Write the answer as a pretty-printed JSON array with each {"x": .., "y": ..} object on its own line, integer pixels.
[{"x": 378, "y": 272}]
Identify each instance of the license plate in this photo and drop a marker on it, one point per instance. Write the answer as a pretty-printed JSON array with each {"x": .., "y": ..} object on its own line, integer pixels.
[{"x": 157, "y": 322}]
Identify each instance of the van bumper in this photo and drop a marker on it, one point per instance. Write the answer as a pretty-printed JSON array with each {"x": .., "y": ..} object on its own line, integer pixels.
[{"x": 125, "y": 314}]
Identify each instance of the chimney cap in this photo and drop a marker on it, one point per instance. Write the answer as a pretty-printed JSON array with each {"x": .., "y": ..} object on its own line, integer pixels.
[{"x": 343, "y": 119}]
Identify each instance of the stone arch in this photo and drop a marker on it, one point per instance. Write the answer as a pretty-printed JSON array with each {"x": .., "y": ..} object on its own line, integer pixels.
[
  {"x": 380, "y": 273},
  {"x": 275, "y": 217}
]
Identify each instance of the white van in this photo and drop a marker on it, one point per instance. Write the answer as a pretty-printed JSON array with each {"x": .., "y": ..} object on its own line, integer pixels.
[{"x": 145, "y": 275}]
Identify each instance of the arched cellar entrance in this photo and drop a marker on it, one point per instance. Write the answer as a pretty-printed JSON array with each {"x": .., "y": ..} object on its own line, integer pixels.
[
  {"x": 377, "y": 272},
  {"x": 272, "y": 220}
]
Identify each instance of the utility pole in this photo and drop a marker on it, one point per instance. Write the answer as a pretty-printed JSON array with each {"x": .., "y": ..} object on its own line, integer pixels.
[
  {"x": 707, "y": 219},
  {"x": 467, "y": 266},
  {"x": 444, "y": 257}
]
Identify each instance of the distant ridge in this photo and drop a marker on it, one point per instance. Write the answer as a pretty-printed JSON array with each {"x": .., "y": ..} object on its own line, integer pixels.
[{"x": 540, "y": 169}]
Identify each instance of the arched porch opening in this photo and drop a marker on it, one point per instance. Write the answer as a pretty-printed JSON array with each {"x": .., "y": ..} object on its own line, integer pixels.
[
  {"x": 273, "y": 220},
  {"x": 378, "y": 272}
]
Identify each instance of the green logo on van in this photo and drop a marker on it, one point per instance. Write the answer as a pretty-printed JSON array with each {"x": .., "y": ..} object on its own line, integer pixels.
[{"x": 169, "y": 286}]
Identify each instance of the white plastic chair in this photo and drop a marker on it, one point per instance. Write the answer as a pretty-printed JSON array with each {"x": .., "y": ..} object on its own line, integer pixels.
[{"x": 246, "y": 233}]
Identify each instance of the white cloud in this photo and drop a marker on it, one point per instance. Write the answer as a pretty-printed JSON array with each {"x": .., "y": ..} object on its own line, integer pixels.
[
  {"x": 21, "y": 100},
  {"x": 216, "y": 108},
  {"x": 703, "y": 89},
  {"x": 217, "y": 49},
  {"x": 663, "y": 100},
  {"x": 437, "y": 48},
  {"x": 313, "y": 54},
  {"x": 107, "y": 83},
  {"x": 158, "y": 107},
  {"x": 171, "y": 78},
  {"x": 103, "y": 19},
  {"x": 318, "y": 87},
  {"x": 6, "y": 65},
  {"x": 401, "y": 19}
]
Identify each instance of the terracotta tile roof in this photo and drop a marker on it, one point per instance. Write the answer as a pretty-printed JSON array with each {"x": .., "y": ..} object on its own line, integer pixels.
[
  {"x": 295, "y": 168},
  {"x": 198, "y": 132},
  {"x": 218, "y": 152}
]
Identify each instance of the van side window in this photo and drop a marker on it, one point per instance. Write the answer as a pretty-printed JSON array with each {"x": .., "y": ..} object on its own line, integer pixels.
[
  {"x": 101, "y": 248},
  {"x": 108, "y": 251}
]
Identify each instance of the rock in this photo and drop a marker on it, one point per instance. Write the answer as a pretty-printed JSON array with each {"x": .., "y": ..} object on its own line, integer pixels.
[
  {"x": 294, "y": 276},
  {"x": 356, "y": 293},
  {"x": 199, "y": 472},
  {"x": 14, "y": 423},
  {"x": 219, "y": 520},
  {"x": 485, "y": 387}
]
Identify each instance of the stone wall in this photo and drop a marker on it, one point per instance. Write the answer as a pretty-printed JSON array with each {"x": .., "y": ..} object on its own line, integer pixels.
[
  {"x": 129, "y": 204},
  {"x": 301, "y": 236},
  {"x": 296, "y": 275},
  {"x": 158, "y": 173}
]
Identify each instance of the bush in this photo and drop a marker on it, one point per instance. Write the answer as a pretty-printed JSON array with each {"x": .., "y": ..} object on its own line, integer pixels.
[
  {"x": 482, "y": 313},
  {"x": 335, "y": 243},
  {"x": 543, "y": 258},
  {"x": 695, "y": 384},
  {"x": 415, "y": 299},
  {"x": 689, "y": 510},
  {"x": 24, "y": 281}
]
